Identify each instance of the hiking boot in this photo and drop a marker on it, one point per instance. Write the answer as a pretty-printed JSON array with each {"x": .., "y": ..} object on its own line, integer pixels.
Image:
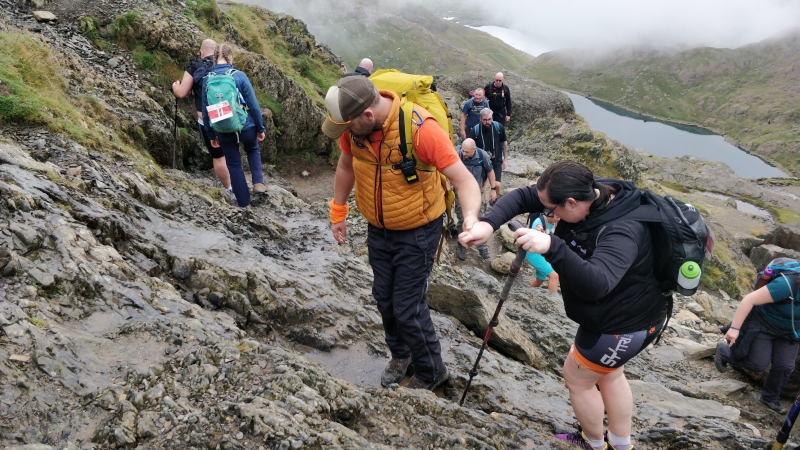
[
  {"x": 484, "y": 253},
  {"x": 416, "y": 383},
  {"x": 721, "y": 365},
  {"x": 396, "y": 371},
  {"x": 461, "y": 252},
  {"x": 579, "y": 440},
  {"x": 230, "y": 197},
  {"x": 259, "y": 187},
  {"x": 774, "y": 405}
]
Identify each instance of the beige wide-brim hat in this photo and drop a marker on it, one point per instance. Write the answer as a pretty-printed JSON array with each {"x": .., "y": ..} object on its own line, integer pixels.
[{"x": 345, "y": 101}]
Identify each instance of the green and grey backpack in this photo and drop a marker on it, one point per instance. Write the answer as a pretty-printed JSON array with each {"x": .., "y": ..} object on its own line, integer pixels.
[{"x": 220, "y": 88}]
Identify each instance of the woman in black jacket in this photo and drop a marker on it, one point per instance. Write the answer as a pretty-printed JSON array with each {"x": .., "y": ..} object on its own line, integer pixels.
[{"x": 602, "y": 284}]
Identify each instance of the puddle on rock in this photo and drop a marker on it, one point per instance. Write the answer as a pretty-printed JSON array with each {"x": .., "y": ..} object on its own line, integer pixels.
[
  {"x": 357, "y": 365},
  {"x": 753, "y": 209},
  {"x": 742, "y": 206}
]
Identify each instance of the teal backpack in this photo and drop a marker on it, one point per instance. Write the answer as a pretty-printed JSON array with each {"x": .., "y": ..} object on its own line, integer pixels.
[{"x": 221, "y": 87}]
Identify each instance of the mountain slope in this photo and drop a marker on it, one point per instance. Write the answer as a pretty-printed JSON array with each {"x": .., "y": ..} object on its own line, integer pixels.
[
  {"x": 750, "y": 93},
  {"x": 409, "y": 38}
]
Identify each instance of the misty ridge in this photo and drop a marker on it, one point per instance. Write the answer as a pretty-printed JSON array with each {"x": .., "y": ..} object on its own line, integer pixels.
[{"x": 540, "y": 26}]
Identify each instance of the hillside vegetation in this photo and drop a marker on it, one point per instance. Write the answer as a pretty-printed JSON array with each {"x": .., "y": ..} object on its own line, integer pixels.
[
  {"x": 750, "y": 94},
  {"x": 410, "y": 38}
]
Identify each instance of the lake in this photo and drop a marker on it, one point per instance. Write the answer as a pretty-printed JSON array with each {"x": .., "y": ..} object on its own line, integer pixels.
[{"x": 670, "y": 140}]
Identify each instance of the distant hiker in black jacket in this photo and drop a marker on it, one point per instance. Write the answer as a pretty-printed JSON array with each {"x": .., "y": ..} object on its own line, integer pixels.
[
  {"x": 499, "y": 99},
  {"x": 364, "y": 68},
  {"x": 192, "y": 81},
  {"x": 602, "y": 283}
]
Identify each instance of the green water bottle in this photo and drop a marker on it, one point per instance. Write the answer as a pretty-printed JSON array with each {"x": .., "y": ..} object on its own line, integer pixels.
[{"x": 689, "y": 275}]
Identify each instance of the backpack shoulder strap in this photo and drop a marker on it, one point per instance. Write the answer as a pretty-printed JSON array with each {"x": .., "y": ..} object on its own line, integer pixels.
[
  {"x": 406, "y": 116},
  {"x": 496, "y": 126},
  {"x": 476, "y": 129}
]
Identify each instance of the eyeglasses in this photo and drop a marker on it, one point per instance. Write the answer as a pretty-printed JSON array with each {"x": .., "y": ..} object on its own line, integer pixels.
[{"x": 548, "y": 212}]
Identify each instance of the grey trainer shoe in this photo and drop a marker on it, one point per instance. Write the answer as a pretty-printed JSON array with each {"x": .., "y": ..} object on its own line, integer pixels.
[
  {"x": 396, "y": 371},
  {"x": 230, "y": 197},
  {"x": 484, "y": 252},
  {"x": 773, "y": 405}
]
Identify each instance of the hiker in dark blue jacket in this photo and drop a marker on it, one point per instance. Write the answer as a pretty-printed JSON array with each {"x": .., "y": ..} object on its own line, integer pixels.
[{"x": 252, "y": 133}]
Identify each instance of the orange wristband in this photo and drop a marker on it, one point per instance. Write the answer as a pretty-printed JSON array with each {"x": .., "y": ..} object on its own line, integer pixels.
[{"x": 338, "y": 212}]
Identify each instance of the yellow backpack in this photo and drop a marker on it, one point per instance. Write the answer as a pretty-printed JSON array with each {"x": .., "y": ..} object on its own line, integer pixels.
[{"x": 417, "y": 89}]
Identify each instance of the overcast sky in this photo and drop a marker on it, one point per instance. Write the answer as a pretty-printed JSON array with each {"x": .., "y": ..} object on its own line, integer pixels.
[{"x": 543, "y": 25}]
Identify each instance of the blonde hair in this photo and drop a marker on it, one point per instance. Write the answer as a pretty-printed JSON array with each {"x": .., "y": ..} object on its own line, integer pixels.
[{"x": 223, "y": 51}]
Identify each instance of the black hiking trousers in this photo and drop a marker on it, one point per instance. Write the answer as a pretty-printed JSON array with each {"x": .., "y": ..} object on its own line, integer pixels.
[
  {"x": 401, "y": 262},
  {"x": 767, "y": 348}
]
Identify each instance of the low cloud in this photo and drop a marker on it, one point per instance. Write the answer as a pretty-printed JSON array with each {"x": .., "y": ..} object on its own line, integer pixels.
[
  {"x": 608, "y": 24},
  {"x": 543, "y": 25}
]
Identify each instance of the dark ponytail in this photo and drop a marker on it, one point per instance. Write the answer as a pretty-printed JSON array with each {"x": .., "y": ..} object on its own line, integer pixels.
[{"x": 569, "y": 179}]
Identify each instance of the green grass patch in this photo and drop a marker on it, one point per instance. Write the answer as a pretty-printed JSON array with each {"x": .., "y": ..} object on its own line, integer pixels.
[
  {"x": 91, "y": 29},
  {"x": 674, "y": 186},
  {"x": 266, "y": 100},
  {"x": 126, "y": 31},
  {"x": 785, "y": 215},
  {"x": 38, "y": 322},
  {"x": 205, "y": 13},
  {"x": 163, "y": 67}
]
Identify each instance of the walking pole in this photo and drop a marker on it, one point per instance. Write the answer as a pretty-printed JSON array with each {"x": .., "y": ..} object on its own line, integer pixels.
[
  {"x": 786, "y": 428},
  {"x": 512, "y": 275},
  {"x": 174, "y": 132}
]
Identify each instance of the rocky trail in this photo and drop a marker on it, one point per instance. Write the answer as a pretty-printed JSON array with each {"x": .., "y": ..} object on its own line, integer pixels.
[{"x": 139, "y": 310}]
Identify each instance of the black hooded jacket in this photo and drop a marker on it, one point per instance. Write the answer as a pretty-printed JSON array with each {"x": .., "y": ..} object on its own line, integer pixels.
[{"x": 597, "y": 293}]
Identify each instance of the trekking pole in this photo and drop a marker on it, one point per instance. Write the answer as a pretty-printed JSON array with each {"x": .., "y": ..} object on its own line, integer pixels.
[
  {"x": 512, "y": 275},
  {"x": 175, "y": 132},
  {"x": 786, "y": 428}
]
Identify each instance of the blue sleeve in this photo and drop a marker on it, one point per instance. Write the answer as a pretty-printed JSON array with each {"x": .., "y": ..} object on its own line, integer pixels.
[
  {"x": 249, "y": 95},
  {"x": 206, "y": 122},
  {"x": 529, "y": 257},
  {"x": 779, "y": 288},
  {"x": 467, "y": 104}
]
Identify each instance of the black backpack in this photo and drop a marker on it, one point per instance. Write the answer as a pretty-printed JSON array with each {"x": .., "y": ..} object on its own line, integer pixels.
[{"x": 679, "y": 235}]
